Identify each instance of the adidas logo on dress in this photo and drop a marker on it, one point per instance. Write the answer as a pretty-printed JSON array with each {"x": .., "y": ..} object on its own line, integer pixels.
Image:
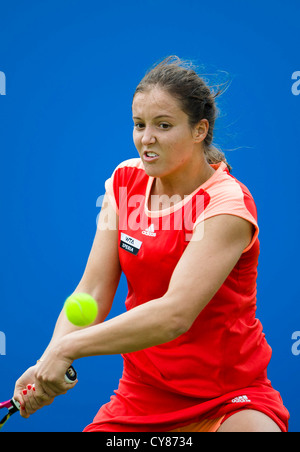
[
  {"x": 150, "y": 231},
  {"x": 240, "y": 399}
]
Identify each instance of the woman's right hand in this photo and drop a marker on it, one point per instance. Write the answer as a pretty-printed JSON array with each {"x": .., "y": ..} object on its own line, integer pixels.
[{"x": 24, "y": 393}]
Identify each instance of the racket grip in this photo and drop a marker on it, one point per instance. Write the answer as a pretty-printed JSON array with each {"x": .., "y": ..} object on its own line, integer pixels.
[
  {"x": 15, "y": 406},
  {"x": 71, "y": 375}
]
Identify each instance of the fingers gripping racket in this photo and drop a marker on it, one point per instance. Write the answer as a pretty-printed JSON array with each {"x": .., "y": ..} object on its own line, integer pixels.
[{"x": 13, "y": 406}]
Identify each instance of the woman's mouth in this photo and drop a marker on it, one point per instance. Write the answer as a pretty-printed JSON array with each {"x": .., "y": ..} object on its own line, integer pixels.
[{"x": 149, "y": 156}]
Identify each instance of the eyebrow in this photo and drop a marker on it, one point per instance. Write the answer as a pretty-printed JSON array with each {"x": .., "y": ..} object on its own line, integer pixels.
[{"x": 156, "y": 117}]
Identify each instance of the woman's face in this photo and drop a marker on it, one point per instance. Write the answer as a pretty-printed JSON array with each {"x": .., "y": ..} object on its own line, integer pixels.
[{"x": 162, "y": 134}]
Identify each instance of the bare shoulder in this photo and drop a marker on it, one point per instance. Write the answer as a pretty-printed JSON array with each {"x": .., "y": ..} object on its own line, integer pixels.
[{"x": 224, "y": 229}]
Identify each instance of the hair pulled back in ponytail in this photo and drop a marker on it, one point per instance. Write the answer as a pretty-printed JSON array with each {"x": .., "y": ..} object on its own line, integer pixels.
[{"x": 179, "y": 79}]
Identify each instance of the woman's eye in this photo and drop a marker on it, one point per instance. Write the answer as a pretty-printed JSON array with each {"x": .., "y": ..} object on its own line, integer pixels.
[
  {"x": 139, "y": 125},
  {"x": 164, "y": 126}
]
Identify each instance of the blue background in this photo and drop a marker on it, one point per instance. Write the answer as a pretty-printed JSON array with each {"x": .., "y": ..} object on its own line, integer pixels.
[{"x": 71, "y": 68}]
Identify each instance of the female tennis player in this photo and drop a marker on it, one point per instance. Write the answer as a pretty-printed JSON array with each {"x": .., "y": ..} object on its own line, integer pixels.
[{"x": 184, "y": 232}]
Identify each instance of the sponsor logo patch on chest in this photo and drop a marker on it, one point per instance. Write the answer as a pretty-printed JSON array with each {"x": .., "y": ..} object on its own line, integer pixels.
[{"x": 130, "y": 244}]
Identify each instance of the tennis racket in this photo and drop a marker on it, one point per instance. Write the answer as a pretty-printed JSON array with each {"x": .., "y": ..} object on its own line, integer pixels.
[{"x": 13, "y": 406}]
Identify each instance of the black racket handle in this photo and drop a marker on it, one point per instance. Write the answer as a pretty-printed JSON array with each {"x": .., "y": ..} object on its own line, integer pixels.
[
  {"x": 71, "y": 375},
  {"x": 15, "y": 406}
]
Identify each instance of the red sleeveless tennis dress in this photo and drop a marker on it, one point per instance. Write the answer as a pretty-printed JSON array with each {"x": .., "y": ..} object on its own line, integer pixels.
[{"x": 219, "y": 366}]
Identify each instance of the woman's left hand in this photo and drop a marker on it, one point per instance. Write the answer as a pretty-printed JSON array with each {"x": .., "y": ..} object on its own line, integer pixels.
[
  {"x": 50, "y": 375},
  {"x": 49, "y": 382}
]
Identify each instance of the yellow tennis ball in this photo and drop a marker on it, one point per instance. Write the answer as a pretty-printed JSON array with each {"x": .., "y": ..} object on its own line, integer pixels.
[{"x": 81, "y": 309}]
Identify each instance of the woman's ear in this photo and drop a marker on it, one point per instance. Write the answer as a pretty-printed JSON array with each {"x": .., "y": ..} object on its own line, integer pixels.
[{"x": 200, "y": 131}]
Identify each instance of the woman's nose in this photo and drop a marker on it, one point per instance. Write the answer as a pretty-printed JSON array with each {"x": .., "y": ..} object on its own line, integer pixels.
[{"x": 148, "y": 136}]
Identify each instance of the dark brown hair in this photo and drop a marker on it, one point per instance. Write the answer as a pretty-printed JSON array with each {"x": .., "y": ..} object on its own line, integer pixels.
[{"x": 197, "y": 100}]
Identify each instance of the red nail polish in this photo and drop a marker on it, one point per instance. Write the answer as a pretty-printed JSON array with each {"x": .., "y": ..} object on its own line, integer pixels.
[
  {"x": 28, "y": 387},
  {"x": 22, "y": 408},
  {"x": 33, "y": 388},
  {"x": 24, "y": 391}
]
